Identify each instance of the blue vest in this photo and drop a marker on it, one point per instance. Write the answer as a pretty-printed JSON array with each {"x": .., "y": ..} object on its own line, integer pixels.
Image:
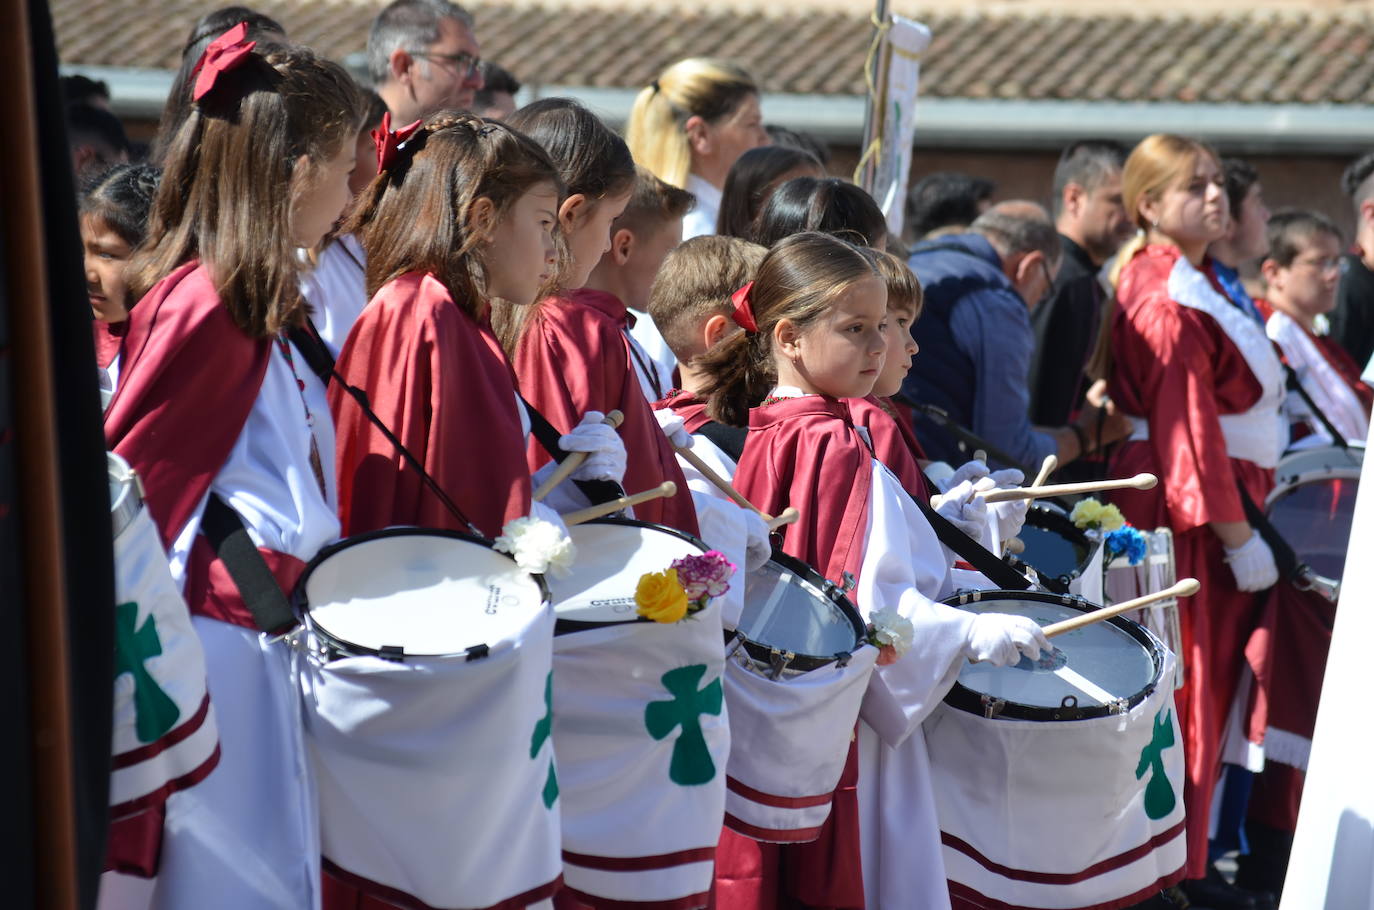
[{"x": 949, "y": 269}]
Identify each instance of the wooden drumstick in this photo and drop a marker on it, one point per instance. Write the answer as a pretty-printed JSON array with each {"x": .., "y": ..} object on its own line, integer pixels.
[
  {"x": 1138, "y": 482},
  {"x": 1046, "y": 469},
  {"x": 572, "y": 462},
  {"x": 1185, "y": 588},
  {"x": 662, "y": 491},
  {"x": 785, "y": 517}
]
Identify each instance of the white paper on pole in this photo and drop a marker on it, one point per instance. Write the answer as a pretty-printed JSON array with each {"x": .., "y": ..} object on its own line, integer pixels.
[
  {"x": 1332, "y": 864},
  {"x": 902, "y": 47}
]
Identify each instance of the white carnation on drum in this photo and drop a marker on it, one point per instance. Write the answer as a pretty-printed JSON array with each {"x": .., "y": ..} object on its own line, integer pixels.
[
  {"x": 891, "y": 628},
  {"x": 538, "y": 546}
]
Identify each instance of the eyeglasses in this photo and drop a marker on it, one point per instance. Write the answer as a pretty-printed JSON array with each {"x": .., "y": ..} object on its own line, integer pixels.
[
  {"x": 1324, "y": 264},
  {"x": 463, "y": 64}
]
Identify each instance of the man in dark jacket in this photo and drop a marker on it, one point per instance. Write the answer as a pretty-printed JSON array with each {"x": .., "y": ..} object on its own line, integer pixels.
[
  {"x": 1092, "y": 224},
  {"x": 1352, "y": 321}
]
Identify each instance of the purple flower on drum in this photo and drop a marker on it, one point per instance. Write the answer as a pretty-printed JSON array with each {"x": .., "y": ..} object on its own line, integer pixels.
[
  {"x": 1129, "y": 542},
  {"x": 538, "y": 546},
  {"x": 890, "y": 629},
  {"x": 704, "y": 576}
]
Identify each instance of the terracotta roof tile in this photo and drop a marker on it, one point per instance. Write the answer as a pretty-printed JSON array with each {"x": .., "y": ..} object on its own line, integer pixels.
[{"x": 1250, "y": 57}]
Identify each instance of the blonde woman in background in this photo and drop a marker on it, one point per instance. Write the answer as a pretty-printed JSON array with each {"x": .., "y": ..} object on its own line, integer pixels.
[{"x": 689, "y": 126}]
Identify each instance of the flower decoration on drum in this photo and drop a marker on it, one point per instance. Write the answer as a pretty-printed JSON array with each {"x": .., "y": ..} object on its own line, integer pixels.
[
  {"x": 660, "y": 596},
  {"x": 888, "y": 628},
  {"x": 538, "y": 546},
  {"x": 704, "y": 576},
  {"x": 1091, "y": 515},
  {"x": 1127, "y": 541}
]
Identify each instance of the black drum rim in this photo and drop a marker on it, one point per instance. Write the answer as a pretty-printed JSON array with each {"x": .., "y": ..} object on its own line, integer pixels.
[
  {"x": 338, "y": 647},
  {"x": 1058, "y": 521},
  {"x": 570, "y": 626},
  {"x": 966, "y": 699},
  {"x": 807, "y": 662}
]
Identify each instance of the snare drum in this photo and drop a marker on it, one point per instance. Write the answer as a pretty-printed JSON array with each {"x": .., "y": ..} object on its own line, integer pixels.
[
  {"x": 639, "y": 724},
  {"x": 424, "y": 657},
  {"x": 1065, "y": 557},
  {"x": 1313, "y": 504},
  {"x": 796, "y": 673},
  {"x": 165, "y": 737},
  {"x": 1059, "y": 783}
]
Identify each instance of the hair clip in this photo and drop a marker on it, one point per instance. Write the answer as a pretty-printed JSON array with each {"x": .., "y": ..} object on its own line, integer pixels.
[
  {"x": 743, "y": 299},
  {"x": 654, "y": 85},
  {"x": 487, "y": 130},
  {"x": 226, "y": 53},
  {"x": 389, "y": 141}
]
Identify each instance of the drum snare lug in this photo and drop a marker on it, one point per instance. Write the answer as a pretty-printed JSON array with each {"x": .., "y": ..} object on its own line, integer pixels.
[
  {"x": 394, "y": 653},
  {"x": 842, "y": 658},
  {"x": 992, "y": 706},
  {"x": 850, "y": 582},
  {"x": 778, "y": 661},
  {"x": 477, "y": 652}
]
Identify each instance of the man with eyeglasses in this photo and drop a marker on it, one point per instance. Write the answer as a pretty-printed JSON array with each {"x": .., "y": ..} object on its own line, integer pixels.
[
  {"x": 976, "y": 341},
  {"x": 423, "y": 57}
]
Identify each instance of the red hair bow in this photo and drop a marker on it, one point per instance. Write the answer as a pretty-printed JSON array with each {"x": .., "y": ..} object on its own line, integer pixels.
[
  {"x": 389, "y": 141},
  {"x": 743, "y": 299},
  {"x": 225, "y": 53}
]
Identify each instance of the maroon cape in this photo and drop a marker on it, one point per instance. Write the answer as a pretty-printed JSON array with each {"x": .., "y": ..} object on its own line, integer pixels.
[
  {"x": 805, "y": 452},
  {"x": 1175, "y": 366},
  {"x": 575, "y": 358},
  {"x": 688, "y": 406},
  {"x": 437, "y": 377}
]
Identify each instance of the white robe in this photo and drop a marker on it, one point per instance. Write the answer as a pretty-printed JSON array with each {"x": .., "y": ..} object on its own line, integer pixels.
[
  {"x": 336, "y": 291},
  {"x": 701, "y": 220},
  {"x": 651, "y": 343}
]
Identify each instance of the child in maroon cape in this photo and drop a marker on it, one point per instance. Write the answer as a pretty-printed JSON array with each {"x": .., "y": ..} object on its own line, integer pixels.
[
  {"x": 571, "y": 351},
  {"x": 214, "y": 399},
  {"x": 813, "y": 334}
]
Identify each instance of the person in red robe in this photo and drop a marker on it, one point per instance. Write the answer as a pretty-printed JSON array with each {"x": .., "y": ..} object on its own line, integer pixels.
[
  {"x": 813, "y": 347},
  {"x": 212, "y": 400},
  {"x": 572, "y": 352},
  {"x": 1203, "y": 386}
]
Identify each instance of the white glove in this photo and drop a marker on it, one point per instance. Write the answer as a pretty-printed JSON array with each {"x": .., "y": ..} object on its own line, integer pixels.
[
  {"x": 674, "y": 428},
  {"x": 1008, "y": 477},
  {"x": 605, "y": 451},
  {"x": 1002, "y": 639},
  {"x": 759, "y": 549},
  {"x": 969, "y": 470},
  {"x": 1253, "y": 564},
  {"x": 1010, "y": 516},
  {"x": 964, "y": 508}
]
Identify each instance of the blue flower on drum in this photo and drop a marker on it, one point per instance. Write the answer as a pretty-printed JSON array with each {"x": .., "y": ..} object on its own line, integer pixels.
[{"x": 1129, "y": 542}]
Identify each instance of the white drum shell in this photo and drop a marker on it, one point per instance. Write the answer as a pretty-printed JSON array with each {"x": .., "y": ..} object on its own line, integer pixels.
[
  {"x": 1019, "y": 801},
  {"x": 789, "y": 741},
  {"x": 619, "y": 802},
  {"x": 427, "y": 784}
]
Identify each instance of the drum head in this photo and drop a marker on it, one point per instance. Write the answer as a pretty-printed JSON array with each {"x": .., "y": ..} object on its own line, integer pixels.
[
  {"x": 788, "y": 607},
  {"x": 1313, "y": 505},
  {"x": 612, "y": 555},
  {"x": 1098, "y": 669},
  {"x": 1055, "y": 546},
  {"x": 416, "y": 592}
]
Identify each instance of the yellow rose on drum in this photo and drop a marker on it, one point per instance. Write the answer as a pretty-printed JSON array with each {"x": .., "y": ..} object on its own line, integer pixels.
[
  {"x": 660, "y": 596},
  {"x": 1086, "y": 513}
]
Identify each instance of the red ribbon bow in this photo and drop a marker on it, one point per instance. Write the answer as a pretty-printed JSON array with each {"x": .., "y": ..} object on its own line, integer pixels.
[
  {"x": 389, "y": 141},
  {"x": 744, "y": 309},
  {"x": 225, "y": 53}
]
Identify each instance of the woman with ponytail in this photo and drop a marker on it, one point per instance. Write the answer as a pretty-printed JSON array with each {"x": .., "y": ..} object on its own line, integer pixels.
[{"x": 690, "y": 125}]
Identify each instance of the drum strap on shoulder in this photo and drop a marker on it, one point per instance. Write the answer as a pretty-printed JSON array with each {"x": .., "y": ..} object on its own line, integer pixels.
[
  {"x": 307, "y": 341},
  {"x": 728, "y": 439},
  {"x": 974, "y": 553},
  {"x": 257, "y": 586},
  {"x": 596, "y": 491},
  {"x": 1295, "y": 385}
]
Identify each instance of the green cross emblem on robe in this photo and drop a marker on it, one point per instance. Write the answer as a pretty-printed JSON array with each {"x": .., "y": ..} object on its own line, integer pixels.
[
  {"x": 691, "y": 763},
  {"x": 1159, "y": 793},
  {"x": 154, "y": 712},
  {"x": 542, "y": 730}
]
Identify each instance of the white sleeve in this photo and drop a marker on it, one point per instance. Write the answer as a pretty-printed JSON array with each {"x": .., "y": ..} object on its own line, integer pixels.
[
  {"x": 715, "y": 459},
  {"x": 722, "y": 527},
  {"x": 904, "y": 568}
]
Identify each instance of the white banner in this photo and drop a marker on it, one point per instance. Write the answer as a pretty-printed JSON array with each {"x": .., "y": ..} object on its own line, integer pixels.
[
  {"x": 895, "y": 110},
  {"x": 1060, "y": 814},
  {"x": 1332, "y": 864}
]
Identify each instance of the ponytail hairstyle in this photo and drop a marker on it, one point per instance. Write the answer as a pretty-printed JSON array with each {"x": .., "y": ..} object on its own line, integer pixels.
[
  {"x": 696, "y": 87},
  {"x": 825, "y": 204},
  {"x": 227, "y": 186},
  {"x": 798, "y": 280},
  {"x": 591, "y": 160},
  {"x": 753, "y": 178},
  {"x": 121, "y": 199},
  {"x": 416, "y": 216},
  {"x": 207, "y": 28}
]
